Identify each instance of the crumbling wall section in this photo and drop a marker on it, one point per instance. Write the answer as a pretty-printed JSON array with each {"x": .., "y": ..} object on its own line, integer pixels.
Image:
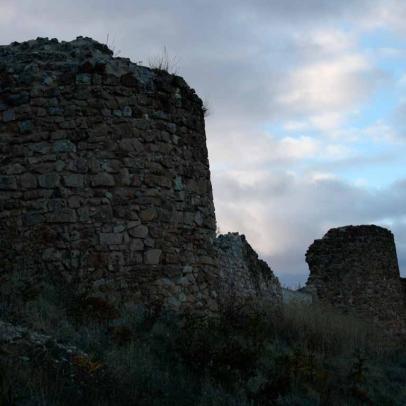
[{"x": 244, "y": 278}]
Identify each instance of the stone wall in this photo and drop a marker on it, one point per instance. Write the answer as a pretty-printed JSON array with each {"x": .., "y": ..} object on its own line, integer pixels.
[
  {"x": 244, "y": 278},
  {"x": 104, "y": 176},
  {"x": 355, "y": 268}
]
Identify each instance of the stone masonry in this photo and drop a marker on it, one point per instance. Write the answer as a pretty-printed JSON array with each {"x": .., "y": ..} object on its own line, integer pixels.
[
  {"x": 355, "y": 268},
  {"x": 104, "y": 176},
  {"x": 244, "y": 278}
]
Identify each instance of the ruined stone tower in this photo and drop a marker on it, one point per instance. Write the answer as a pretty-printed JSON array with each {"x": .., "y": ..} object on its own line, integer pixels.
[
  {"x": 104, "y": 176},
  {"x": 355, "y": 268}
]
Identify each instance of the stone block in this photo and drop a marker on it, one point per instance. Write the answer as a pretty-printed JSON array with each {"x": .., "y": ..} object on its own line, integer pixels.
[
  {"x": 127, "y": 111},
  {"x": 32, "y": 218},
  {"x": 14, "y": 169},
  {"x": 62, "y": 216},
  {"x": 84, "y": 79},
  {"x": 39, "y": 147},
  {"x": 131, "y": 145},
  {"x": 103, "y": 179},
  {"x": 119, "y": 228},
  {"x": 124, "y": 177},
  {"x": 75, "y": 201},
  {"x": 84, "y": 213},
  {"x": 148, "y": 214},
  {"x": 129, "y": 80},
  {"x": 25, "y": 127},
  {"x": 28, "y": 181},
  {"x": 61, "y": 146},
  {"x": 111, "y": 238},
  {"x": 74, "y": 180},
  {"x": 152, "y": 257},
  {"x": 137, "y": 244},
  {"x": 9, "y": 115},
  {"x": 140, "y": 231},
  {"x": 49, "y": 181},
  {"x": 8, "y": 183}
]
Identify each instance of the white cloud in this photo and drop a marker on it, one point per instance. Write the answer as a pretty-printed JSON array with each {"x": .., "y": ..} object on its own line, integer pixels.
[
  {"x": 327, "y": 121},
  {"x": 331, "y": 87},
  {"x": 387, "y": 14},
  {"x": 382, "y": 132},
  {"x": 282, "y": 214},
  {"x": 320, "y": 176},
  {"x": 298, "y": 148},
  {"x": 325, "y": 42}
]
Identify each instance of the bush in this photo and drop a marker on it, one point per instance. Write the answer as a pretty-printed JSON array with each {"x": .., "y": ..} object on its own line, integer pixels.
[{"x": 299, "y": 355}]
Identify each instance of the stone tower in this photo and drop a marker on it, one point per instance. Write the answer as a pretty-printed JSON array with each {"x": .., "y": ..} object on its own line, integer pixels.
[
  {"x": 355, "y": 268},
  {"x": 104, "y": 176}
]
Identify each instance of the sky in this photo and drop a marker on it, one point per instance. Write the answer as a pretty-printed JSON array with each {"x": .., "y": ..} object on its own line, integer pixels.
[{"x": 307, "y": 109}]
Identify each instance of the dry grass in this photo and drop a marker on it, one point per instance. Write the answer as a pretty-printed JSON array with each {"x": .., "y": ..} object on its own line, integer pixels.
[
  {"x": 327, "y": 330},
  {"x": 164, "y": 62},
  {"x": 304, "y": 354}
]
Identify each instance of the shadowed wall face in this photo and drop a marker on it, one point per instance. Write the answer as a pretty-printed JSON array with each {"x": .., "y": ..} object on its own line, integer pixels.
[
  {"x": 244, "y": 278},
  {"x": 355, "y": 268},
  {"x": 104, "y": 176}
]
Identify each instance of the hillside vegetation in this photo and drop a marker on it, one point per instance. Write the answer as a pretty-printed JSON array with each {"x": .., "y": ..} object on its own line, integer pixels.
[{"x": 302, "y": 354}]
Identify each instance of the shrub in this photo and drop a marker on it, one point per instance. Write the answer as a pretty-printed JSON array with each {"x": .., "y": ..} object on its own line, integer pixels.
[{"x": 298, "y": 355}]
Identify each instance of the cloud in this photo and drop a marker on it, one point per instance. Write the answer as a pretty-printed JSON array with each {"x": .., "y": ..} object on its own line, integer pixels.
[
  {"x": 282, "y": 214},
  {"x": 329, "y": 86},
  {"x": 388, "y": 14}
]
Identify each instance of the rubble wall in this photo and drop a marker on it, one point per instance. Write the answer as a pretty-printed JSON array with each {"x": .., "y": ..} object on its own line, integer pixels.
[{"x": 104, "y": 176}]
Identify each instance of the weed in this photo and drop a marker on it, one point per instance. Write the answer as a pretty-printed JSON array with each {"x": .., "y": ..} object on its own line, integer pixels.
[
  {"x": 164, "y": 62},
  {"x": 300, "y": 355}
]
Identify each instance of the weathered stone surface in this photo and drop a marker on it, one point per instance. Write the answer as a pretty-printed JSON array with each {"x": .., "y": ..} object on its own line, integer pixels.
[
  {"x": 62, "y": 216},
  {"x": 15, "y": 169},
  {"x": 106, "y": 174},
  {"x": 138, "y": 231},
  {"x": 8, "y": 183},
  {"x": 152, "y": 257},
  {"x": 63, "y": 146},
  {"x": 355, "y": 268},
  {"x": 74, "y": 180},
  {"x": 9, "y": 115},
  {"x": 131, "y": 145},
  {"x": 49, "y": 181},
  {"x": 137, "y": 245},
  {"x": 148, "y": 214},
  {"x": 111, "y": 238},
  {"x": 103, "y": 179},
  {"x": 28, "y": 181},
  {"x": 244, "y": 278},
  {"x": 25, "y": 126}
]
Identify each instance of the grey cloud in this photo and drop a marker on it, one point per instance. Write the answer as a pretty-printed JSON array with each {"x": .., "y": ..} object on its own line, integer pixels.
[
  {"x": 235, "y": 53},
  {"x": 283, "y": 222}
]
